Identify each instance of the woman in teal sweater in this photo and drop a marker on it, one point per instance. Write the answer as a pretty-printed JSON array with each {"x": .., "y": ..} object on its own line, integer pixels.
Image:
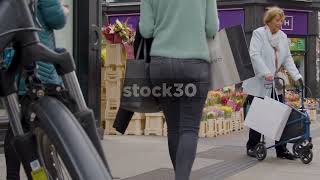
[
  {"x": 180, "y": 66},
  {"x": 52, "y": 16}
]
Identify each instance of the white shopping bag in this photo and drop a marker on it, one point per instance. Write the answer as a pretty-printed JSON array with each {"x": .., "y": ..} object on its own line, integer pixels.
[
  {"x": 230, "y": 58},
  {"x": 268, "y": 117}
]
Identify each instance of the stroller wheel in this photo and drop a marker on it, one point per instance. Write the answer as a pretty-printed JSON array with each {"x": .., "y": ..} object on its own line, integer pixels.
[
  {"x": 297, "y": 148},
  {"x": 307, "y": 156},
  {"x": 311, "y": 145},
  {"x": 261, "y": 151}
]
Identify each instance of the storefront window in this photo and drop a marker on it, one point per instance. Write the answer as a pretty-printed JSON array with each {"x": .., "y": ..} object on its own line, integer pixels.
[
  {"x": 297, "y": 48},
  {"x": 64, "y": 37},
  {"x": 299, "y": 60}
]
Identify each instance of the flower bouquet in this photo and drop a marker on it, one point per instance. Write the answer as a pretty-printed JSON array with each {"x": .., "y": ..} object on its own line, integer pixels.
[{"x": 118, "y": 33}]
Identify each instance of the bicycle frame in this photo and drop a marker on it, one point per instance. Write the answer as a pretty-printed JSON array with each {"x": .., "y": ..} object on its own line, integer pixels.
[
  {"x": 18, "y": 27},
  {"x": 27, "y": 45}
]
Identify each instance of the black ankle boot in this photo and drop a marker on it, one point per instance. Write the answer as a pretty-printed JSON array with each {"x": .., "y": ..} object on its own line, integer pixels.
[
  {"x": 286, "y": 155},
  {"x": 251, "y": 152}
]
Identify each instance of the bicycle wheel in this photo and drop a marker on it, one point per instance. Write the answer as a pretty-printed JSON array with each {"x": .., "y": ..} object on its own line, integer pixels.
[
  {"x": 50, "y": 158},
  {"x": 65, "y": 151}
]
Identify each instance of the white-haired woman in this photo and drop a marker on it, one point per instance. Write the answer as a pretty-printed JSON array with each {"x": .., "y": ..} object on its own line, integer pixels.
[{"x": 269, "y": 50}]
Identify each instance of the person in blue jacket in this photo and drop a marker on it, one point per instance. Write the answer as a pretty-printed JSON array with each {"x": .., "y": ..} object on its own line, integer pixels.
[{"x": 51, "y": 15}]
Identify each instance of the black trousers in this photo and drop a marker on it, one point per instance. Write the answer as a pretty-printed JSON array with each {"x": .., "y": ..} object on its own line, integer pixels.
[
  {"x": 254, "y": 136},
  {"x": 12, "y": 160},
  {"x": 183, "y": 114}
]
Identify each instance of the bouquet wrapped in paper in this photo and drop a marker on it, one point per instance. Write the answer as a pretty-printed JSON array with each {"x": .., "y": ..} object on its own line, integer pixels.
[{"x": 118, "y": 33}]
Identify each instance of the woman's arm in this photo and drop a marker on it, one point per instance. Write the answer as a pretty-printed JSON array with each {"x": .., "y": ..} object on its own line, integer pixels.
[
  {"x": 146, "y": 24},
  {"x": 52, "y": 13},
  {"x": 260, "y": 68},
  {"x": 212, "y": 19}
]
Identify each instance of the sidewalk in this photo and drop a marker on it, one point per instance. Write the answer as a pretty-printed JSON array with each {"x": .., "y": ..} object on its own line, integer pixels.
[{"x": 147, "y": 158}]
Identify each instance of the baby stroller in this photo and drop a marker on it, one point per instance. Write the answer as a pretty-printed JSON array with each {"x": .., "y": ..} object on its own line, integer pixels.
[{"x": 296, "y": 131}]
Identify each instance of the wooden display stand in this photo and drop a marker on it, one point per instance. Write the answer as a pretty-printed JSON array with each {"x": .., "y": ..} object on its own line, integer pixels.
[
  {"x": 136, "y": 125},
  {"x": 236, "y": 122},
  {"x": 115, "y": 55},
  {"x": 241, "y": 119},
  {"x": 227, "y": 125},
  {"x": 211, "y": 128},
  {"x": 203, "y": 129},
  {"x": 154, "y": 124},
  {"x": 109, "y": 130},
  {"x": 165, "y": 129},
  {"x": 219, "y": 126},
  {"x": 312, "y": 114}
]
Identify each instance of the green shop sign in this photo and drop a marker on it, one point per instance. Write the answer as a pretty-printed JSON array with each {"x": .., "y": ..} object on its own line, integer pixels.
[{"x": 297, "y": 44}]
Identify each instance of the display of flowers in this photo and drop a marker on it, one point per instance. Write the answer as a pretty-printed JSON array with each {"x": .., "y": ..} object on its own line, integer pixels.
[
  {"x": 222, "y": 103},
  {"x": 214, "y": 97},
  {"x": 214, "y": 112},
  {"x": 295, "y": 104},
  {"x": 240, "y": 97},
  {"x": 234, "y": 100},
  {"x": 311, "y": 103},
  {"x": 227, "y": 111},
  {"x": 224, "y": 100},
  {"x": 234, "y": 105},
  {"x": 118, "y": 32},
  {"x": 214, "y": 94},
  {"x": 292, "y": 96}
]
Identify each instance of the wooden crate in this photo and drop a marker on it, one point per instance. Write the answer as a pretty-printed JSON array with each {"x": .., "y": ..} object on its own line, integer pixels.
[
  {"x": 219, "y": 126},
  {"x": 103, "y": 96},
  {"x": 109, "y": 130},
  {"x": 112, "y": 83},
  {"x": 211, "y": 128},
  {"x": 236, "y": 123},
  {"x": 112, "y": 106},
  {"x": 112, "y": 89},
  {"x": 203, "y": 129},
  {"x": 136, "y": 125},
  {"x": 110, "y": 114},
  {"x": 241, "y": 119},
  {"x": 112, "y": 72},
  {"x": 103, "y": 74},
  {"x": 234, "y": 120},
  {"x": 154, "y": 124},
  {"x": 103, "y": 105},
  {"x": 227, "y": 125},
  {"x": 139, "y": 116},
  {"x": 102, "y": 113},
  {"x": 165, "y": 129},
  {"x": 115, "y": 55},
  {"x": 312, "y": 114}
]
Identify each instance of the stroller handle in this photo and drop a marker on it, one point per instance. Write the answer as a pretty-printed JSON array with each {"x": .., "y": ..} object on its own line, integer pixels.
[
  {"x": 283, "y": 85},
  {"x": 301, "y": 91}
]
